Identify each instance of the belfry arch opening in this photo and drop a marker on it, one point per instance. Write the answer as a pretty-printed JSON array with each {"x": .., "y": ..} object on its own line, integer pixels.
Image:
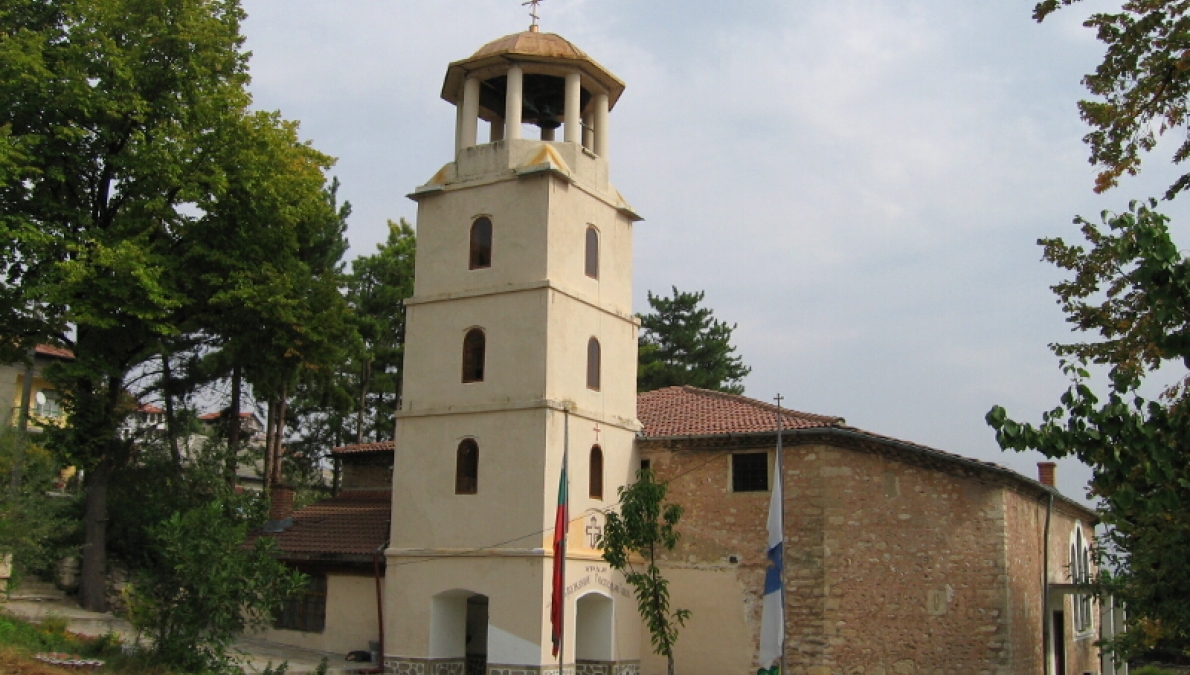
[
  {"x": 459, "y": 629},
  {"x": 593, "y": 629}
]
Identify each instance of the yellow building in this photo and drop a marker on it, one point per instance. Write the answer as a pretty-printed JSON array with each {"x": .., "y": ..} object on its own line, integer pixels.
[{"x": 45, "y": 407}]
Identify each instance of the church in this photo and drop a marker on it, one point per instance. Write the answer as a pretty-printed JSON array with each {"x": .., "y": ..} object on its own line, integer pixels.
[{"x": 520, "y": 369}]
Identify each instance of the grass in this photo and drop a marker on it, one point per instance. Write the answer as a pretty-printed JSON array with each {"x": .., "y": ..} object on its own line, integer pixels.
[
  {"x": 1151, "y": 670},
  {"x": 20, "y": 640}
]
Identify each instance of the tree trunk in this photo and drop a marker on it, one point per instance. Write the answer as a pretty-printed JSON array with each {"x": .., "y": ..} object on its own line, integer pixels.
[
  {"x": 93, "y": 581},
  {"x": 233, "y": 434},
  {"x": 269, "y": 434},
  {"x": 280, "y": 435},
  {"x": 365, "y": 373},
  {"x": 18, "y": 458},
  {"x": 166, "y": 390}
]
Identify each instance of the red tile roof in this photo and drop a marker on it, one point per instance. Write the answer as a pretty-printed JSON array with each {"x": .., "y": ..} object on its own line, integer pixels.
[
  {"x": 353, "y": 523},
  {"x": 217, "y": 415},
  {"x": 362, "y": 448},
  {"x": 55, "y": 352},
  {"x": 149, "y": 409},
  {"x": 690, "y": 411}
]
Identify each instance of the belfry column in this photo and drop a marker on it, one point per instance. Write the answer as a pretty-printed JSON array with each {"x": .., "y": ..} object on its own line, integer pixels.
[
  {"x": 512, "y": 103},
  {"x": 470, "y": 119},
  {"x": 601, "y": 125},
  {"x": 574, "y": 121}
]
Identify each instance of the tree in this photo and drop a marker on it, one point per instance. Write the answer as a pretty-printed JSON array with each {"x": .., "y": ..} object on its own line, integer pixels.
[
  {"x": 127, "y": 140},
  {"x": 1132, "y": 288},
  {"x": 645, "y": 527},
  {"x": 380, "y": 283},
  {"x": 206, "y": 588},
  {"x": 684, "y": 344},
  {"x": 1142, "y": 86}
]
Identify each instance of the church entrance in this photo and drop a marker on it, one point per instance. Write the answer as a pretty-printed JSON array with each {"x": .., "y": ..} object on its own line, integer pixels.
[
  {"x": 459, "y": 630},
  {"x": 593, "y": 633},
  {"x": 477, "y": 635}
]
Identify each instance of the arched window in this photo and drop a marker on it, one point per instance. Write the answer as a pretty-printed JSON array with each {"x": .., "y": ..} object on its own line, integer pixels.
[
  {"x": 593, "y": 358},
  {"x": 467, "y": 467},
  {"x": 473, "y": 355},
  {"x": 481, "y": 243},
  {"x": 1080, "y": 573},
  {"x": 595, "y": 473},
  {"x": 592, "y": 253}
]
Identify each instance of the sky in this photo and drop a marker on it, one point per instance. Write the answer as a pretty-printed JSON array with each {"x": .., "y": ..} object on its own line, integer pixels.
[{"x": 858, "y": 185}]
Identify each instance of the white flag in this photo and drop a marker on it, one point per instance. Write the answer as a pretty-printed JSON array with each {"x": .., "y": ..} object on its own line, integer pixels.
[{"x": 772, "y": 618}]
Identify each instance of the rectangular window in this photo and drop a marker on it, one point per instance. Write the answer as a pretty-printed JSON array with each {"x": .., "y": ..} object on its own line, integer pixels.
[
  {"x": 305, "y": 612},
  {"x": 750, "y": 472}
]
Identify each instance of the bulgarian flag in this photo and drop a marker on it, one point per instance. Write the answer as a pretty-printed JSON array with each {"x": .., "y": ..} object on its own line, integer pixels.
[{"x": 561, "y": 524}]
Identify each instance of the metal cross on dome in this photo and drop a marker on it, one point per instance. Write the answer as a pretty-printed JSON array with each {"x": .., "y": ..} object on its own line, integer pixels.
[{"x": 533, "y": 8}]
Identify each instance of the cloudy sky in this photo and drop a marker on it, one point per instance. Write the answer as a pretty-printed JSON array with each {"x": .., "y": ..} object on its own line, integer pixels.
[{"x": 858, "y": 184}]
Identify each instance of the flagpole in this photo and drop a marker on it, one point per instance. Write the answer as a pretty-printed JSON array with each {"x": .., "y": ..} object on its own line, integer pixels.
[
  {"x": 566, "y": 474},
  {"x": 781, "y": 480}
]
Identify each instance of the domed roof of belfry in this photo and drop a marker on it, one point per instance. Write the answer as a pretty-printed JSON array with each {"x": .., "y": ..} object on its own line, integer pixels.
[
  {"x": 534, "y": 52},
  {"x": 532, "y": 43}
]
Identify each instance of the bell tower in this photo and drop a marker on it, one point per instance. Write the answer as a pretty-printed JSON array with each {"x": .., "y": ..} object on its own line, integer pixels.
[{"x": 520, "y": 348}]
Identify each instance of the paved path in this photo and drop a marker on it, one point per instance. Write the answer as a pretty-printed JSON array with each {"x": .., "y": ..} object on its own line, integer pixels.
[{"x": 256, "y": 653}]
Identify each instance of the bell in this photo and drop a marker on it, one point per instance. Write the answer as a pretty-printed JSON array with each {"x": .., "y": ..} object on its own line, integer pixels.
[{"x": 548, "y": 119}]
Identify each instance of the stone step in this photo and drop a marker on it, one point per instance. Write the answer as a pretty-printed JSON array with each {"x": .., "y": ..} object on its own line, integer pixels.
[{"x": 32, "y": 590}]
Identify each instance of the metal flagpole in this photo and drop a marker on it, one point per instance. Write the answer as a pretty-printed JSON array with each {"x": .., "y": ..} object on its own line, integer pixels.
[
  {"x": 566, "y": 473},
  {"x": 781, "y": 479}
]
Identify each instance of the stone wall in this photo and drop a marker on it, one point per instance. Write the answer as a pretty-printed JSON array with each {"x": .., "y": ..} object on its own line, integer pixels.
[{"x": 894, "y": 564}]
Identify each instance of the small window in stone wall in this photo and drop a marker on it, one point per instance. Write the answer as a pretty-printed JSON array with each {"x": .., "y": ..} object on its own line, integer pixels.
[
  {"x": 481, "y": 244},
  {"x": 467, "y": 468},
  {"x": 474, "y": 348},
  {"x": 305, "y": 612},
  {"x": 750, "y": 472},
  {"x": 1080, "y": 573}
]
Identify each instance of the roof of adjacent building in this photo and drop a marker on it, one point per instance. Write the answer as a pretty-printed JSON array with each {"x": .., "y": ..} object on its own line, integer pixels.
[
  {"x": 690, "y": 411},
  {"x": 355, "y": 523},
  {"x": 54, "y": 352},
  {"x": 217, "y": 415},
  {"x": 364, "y": 448}
]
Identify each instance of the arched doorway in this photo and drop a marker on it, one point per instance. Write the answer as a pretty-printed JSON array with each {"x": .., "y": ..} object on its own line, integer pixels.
[
  {"x": 593, "y": 632},
  {"x": 459, "y": 630}
]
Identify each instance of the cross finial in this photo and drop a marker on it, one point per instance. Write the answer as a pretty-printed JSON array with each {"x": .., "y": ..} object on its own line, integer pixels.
[
  {"x": 533, "y": 12},
  {"x": 778, "y": 399}
]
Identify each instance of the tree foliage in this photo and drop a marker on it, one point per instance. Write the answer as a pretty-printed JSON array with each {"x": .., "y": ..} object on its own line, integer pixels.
[
  {"x": 1141, "y": 88},
  {"x": 682, "y": 343},
  {"x": 207, "y": 588},
  {"x": 1131, "y": 287},
  {"x": 645, "y": 527},
  {"x": 146, "y": 211}
]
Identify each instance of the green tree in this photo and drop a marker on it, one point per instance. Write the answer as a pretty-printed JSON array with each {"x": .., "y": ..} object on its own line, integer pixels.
[
  {"x": 126, "y": 142},
  {"x": 380, "y": 284},
  {"x": 682, "y": 343},
  {"x": 207, "y": 587},
  {"x": 644, "y": 527},
  {"x": 1131, "y": 287},
  {"x": 1141, "y": 88}
]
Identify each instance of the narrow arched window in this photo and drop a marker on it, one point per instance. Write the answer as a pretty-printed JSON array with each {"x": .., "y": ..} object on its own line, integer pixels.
[
  {"x": 592, "y": 253},
  {"x": 473, "y": 355},
  {"x": 481, "y": 243},
  {"x": 467, "y": 467},
  {"x": 593, "y": 358},
  {"x": 595, "y": 473}
]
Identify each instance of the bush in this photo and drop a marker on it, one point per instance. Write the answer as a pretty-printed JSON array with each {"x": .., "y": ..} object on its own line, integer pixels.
[{"x": 205, "y": 586}]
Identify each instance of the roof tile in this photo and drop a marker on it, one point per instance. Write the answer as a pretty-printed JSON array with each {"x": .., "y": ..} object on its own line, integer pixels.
[
  {"x": 690, "y": 411},
  {"x": 353, "y": 523}
]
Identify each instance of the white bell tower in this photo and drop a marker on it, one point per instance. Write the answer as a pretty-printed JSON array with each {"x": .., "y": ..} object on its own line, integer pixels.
[{"x": 520, "y": 327}]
